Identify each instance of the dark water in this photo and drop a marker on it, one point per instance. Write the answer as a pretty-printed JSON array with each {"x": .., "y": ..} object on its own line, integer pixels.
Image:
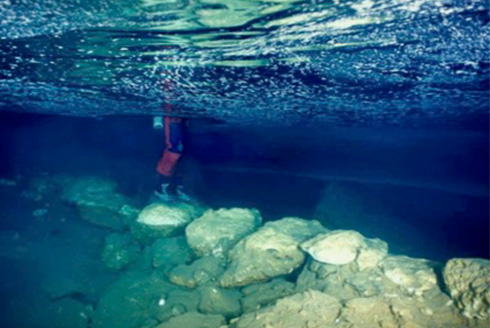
[{"x": 364, "y": 115}]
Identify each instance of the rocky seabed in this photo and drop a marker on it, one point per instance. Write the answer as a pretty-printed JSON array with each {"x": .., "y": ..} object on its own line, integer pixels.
[{"x": 182, "y": 265}]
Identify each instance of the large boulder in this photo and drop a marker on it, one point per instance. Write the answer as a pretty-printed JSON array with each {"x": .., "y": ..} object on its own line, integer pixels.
[
  {"x": 221, "y": 301},
  {"x": 96, "y": 201},
  {"x": 414, "y": 276},
  {"x": 311, "y": 309},
  {"x": 216, "y": 232},
  {"x": 160, "y": 220},
  {"x": 119, "y": 251},
  {"x": 341, "y": 247},
  {"x": 468, "y": 281},
  {"x": 260, "y": 257},
  {"x": 297, "y": 228},
  {"x": 167, "y": 253},
  {"x": 371, "y": 255},
  {"x": 204, "y": 270}
]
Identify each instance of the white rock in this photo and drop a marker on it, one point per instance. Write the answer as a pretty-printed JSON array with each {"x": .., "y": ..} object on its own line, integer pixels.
[
  {"x": 260, "y": 257},
  {"x": 162, "y": 216},
  {"x": 336, "y": 247},
  {"x": 215, "y": 232},
  {"x": 375, "y": 252},
  {"x": 415, "y": 276}
]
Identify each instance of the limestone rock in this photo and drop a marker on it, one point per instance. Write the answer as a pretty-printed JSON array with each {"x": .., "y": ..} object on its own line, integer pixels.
[
  {"x": 194, "y": 320},
  {"x": 260, "y": 257},
  {"x": 415, "y": 276},
  {"x": 159, "y": 220},
  {"x": 160, "y": 216},
  {"x": 203, "y": 270},
  {"x": 259, "y": 295},
  {"x": 370, "y": 256},
  {"x": 96, "y": 201},
  {"x": 369, "y": 293},
  {"x": 468, "y": 281},
  {"x": 170, "y": 252},
  {"x": 345, "y": 281},
  {"x": 297, "y": 228},
  {"x": 215, "y": 232},
  {"x": 400, "y": 311},
  {"x": 368, "y": 312},
  {"x": 310, "y": 309},
  {"x": 336, "y": 247},
  {"x": 119, "y": 251},
  {"x": 221, "y": 301}
]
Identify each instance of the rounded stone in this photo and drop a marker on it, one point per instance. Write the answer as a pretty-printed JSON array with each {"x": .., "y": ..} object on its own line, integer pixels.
[
  {"x": 336, "y": 247},
  {"x": 163, "y": 218},
  {"x": 216, "y": 232}
]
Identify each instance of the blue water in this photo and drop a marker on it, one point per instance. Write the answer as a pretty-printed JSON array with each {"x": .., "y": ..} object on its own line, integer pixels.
[{"x": 364, "y": 115}]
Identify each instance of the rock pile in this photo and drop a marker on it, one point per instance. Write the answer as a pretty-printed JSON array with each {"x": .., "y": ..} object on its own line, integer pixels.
[{"x": 183, "y": 266}]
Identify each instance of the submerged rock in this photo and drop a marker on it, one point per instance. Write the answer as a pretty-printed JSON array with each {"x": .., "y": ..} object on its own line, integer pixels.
[
  {"x": 344, "y": 281},
  {"x": 216, "y": 232},
  {"x": 162, "y": 217},
  {"x": 415, "y": 276},
  {"x": 311, "y": 309},
  {"x": 370, "y": 256},
  {"x": 337, "y": 247},
  {"x": 96, "y": 201},
  {"x": 170, "y": 252},
  {"x": 159, "y": 220},
  {"x": 260, "y": 257},
  {"x": 259, "y": 295},
  {"x": 368, "y": 312},
  {"x": 221, "y": 301},
  {"x": 194, "y": 320},
  {"x": 119, "y": 251},
  {"x": 297, "y": 228},
  {"x": 468, "y": 281},
  {"x": 341, "y": 247},
  {"x": 373, "y": 300},
  {"x": 203, "y": 270}
]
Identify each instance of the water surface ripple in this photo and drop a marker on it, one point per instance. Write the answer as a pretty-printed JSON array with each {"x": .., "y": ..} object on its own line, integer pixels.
[{"x": 345, "y": 62}]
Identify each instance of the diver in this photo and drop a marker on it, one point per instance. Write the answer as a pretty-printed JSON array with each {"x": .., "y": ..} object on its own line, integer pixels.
[{"x": 169, "y": 186}]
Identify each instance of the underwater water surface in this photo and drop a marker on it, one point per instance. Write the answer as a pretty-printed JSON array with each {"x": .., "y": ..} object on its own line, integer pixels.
[{"x": 364, "y": 122}]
